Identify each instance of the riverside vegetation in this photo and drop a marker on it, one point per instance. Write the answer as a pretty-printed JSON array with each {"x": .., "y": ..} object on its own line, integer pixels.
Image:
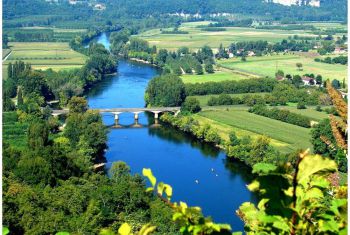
[{"x": 50, "y": 183}]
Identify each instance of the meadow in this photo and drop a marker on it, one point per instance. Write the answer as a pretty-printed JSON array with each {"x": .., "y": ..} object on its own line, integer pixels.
[
  {"x": 44, "y": 55},
  {"x": 197, "y": 38},
  {"x": 285, "y": 137},
  {"x": 268, "y": 65},
  {"x": 221, "y": 74}
]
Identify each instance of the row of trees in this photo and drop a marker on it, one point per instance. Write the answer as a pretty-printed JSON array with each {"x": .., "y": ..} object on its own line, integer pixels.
[
  {"x": 231, "y": 87},
  {"x": 282, "y": 115},
  {"x": 335, "y": 60}
]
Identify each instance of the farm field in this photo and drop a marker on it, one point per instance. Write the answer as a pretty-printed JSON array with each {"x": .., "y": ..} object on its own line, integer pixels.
[
  {"x": 285, "y": 137},
  {"x": 218, "y": 76},
  {"x": 268, "y": 65},
  {"x": 13, "y": 131},
  {"x": 44, "y": 55},
  {"x": 197, "y": 38},
  {"x": 58, "y": 34},
  {"x": 309, "y": 112},
  {"x": 203, "y": 99}
]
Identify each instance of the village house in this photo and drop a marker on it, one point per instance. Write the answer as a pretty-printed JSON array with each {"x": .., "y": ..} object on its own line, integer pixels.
[
  {"x": 339, "y": 50},
  {"x": 251, "y": 53},
  {"x": 308, "y": 81},
  {"x": 100, "y": 7}
]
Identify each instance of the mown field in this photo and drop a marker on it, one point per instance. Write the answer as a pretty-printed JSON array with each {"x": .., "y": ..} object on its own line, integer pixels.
[
  {"x": 44, "y": 55},
  {"x": 197, "y": 38},
  {"x": 268, "y": 65},
  {"x": 221, "y": 74},
  {"x": 285, "y": 137}
]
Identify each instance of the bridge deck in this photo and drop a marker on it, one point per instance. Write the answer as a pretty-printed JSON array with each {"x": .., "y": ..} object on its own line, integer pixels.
[{"x": 125, "y": 110}]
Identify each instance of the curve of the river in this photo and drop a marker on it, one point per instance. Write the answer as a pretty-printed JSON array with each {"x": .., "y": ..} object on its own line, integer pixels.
[{"x": 174, "y": 157}]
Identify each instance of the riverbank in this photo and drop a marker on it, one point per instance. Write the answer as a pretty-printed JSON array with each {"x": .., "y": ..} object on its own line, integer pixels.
[{"x": 241, "y": 148}]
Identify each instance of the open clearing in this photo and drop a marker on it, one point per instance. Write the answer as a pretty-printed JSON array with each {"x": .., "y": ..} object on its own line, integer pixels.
[
  {"x": 268, "y": 65},
  {"x": 197, "y": 38},
  {"x": 285, "y": 137},
  {"x": 44, "y": 55},
  {"x": 221, "y": 74}
]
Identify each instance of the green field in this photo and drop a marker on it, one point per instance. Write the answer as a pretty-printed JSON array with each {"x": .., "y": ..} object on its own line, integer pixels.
[
  {"x": 198, "y": 38},
  {"x": 285, "y": 137},
  {"x": 268, "y": 65},
  {"x": 14, "y": 132},
  {"x": 44, "y": 55},
  {"x": 221, "y": 74},
  {"x": 309, "y": 112}
]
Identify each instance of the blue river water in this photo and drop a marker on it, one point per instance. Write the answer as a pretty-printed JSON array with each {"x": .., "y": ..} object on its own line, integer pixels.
[{"x": 174, "y": 157}]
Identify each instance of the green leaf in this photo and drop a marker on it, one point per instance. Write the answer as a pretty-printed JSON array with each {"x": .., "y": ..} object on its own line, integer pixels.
[
  {"x": 263, "y": 168},
  {"x": 313, "y": 193},
  {"x": 5, "y": 230},
  {"x": 313, "y": 164},
  {"x": 147, "y": 229},
  {"x": 106, "y": 231},
  {"x": 328, "y": 226},
  {"x": 62, "y": 233},
  {"x": 148, "y": 173},
  {"x": 254, "y": 186},
  {"x": 124, "y": 229},
  {"x": 168, "y": 191},
  {"x": 282, "y": 225}
]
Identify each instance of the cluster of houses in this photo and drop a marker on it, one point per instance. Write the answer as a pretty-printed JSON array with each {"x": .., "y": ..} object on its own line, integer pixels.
[{"x": 97, "y": 6}]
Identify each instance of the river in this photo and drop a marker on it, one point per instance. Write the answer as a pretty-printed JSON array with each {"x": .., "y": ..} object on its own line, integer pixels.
[{"x": 174, "y": 157}]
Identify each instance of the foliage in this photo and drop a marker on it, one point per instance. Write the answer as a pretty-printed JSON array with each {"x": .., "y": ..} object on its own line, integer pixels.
[
  {"x": 191, "y": 105},
  {"x": 232, "y": 87},
  {"x": 297, "y": 201},
  {"x": 282, "y": 115},
  {"x": 166, "y": 90}
]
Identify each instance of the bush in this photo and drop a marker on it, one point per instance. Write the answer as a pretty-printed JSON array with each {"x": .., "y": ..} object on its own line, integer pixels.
[
  {"x": 301, "y": 105},
  {"x": 191, "y": 105},
  {"x": 318, "y": 108}
]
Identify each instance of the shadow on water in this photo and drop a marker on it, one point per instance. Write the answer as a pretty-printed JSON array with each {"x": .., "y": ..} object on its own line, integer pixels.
[{"x": 172, "y": 135}]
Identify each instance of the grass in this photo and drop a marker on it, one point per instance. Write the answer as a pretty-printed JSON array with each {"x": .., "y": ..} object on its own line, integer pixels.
[
  {"x": 203, "y": 99},
  {"x": 14, "y": 132},
  {"x": 309, "y": 112},
  {"x": 268, "y": 65},
  {"x": 220, "y": 74},
  {"x": 44, "y": 55},
  {"x": 5, "y": 52},
  {"x": 285, "y": 137},
  {"x": 197, "y": 38}
]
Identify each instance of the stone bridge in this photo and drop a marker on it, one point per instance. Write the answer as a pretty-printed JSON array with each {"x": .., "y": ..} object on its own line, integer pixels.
[{"x": 136, "y": 111}]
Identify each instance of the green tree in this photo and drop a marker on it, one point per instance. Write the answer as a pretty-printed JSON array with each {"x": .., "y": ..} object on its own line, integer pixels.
[
  {"x": 191, "y": 105},
  {"x": 19, "y": 97},
  {"x": 166, "y": 90},
  {"x": 209, "y": 68},
  {"x": 299, "y": 66},
  {"x": 77, "y": 105},
  {"x": 38, "y": 135}
]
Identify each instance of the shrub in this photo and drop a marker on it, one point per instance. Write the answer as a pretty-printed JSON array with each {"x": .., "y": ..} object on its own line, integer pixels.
[
  {"x": 191, "y": 105},
  {"x": 301, "y": 105}
]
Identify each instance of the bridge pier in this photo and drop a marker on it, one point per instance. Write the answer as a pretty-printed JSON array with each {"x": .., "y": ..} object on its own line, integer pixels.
[
  {"x": 136, "y": 115},
  {"x": 156, "y": 114},
  {"x": 116, "y": 117}
]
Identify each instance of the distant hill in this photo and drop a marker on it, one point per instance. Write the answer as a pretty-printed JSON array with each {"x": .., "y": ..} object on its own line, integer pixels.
[{"x": 326, "y": 10}]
